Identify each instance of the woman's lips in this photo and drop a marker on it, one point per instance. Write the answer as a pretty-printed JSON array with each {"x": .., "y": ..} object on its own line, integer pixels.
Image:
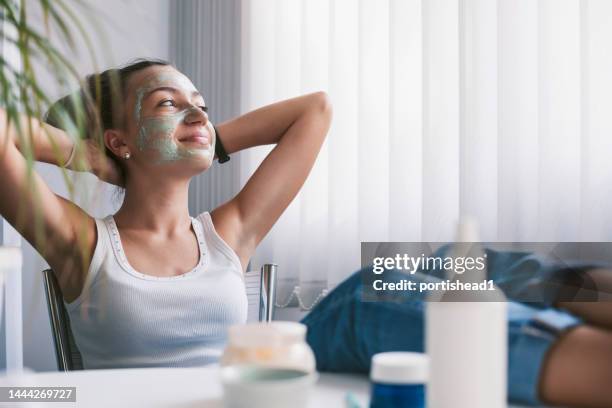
[{"x": 199, "y": 139}]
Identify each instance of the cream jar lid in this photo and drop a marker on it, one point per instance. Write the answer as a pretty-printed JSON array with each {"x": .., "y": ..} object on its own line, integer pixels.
[
  {"x": 400, "y": 367},
  {"x": 267, "y": 334}
]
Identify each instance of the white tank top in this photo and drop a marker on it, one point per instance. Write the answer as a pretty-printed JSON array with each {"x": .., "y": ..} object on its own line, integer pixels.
[{"x": 124, "y": 318}]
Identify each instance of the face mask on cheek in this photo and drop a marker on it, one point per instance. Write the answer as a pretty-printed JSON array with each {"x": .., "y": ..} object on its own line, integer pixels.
[{"x": 156, "y": 133}]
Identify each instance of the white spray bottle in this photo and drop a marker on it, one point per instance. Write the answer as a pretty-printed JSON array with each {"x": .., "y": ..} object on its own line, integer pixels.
[{"x": 466, "y": 336}]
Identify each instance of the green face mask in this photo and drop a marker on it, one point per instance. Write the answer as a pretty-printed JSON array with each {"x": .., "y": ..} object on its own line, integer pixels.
[{"x": 156, "y": 132}]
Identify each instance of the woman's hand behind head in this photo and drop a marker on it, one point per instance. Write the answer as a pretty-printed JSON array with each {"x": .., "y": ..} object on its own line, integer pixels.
[{"x": 93, "y": 158}]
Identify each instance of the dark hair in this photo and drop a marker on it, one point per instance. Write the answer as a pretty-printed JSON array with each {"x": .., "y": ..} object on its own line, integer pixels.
[{"x": 99, "y": 104}]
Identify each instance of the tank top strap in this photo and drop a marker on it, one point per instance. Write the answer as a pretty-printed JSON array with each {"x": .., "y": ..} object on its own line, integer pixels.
[{"x": 215, "y": 239}]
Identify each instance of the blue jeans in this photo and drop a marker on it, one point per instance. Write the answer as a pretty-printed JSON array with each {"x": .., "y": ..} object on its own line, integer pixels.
[{"x": 345, "y": 332}]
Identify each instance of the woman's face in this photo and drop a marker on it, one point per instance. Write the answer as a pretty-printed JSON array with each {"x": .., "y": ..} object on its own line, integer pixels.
[{"x": 167, "y": 123}]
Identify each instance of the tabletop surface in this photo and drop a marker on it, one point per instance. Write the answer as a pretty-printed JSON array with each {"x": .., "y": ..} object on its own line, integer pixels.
[{"x": 169, "y": 387}]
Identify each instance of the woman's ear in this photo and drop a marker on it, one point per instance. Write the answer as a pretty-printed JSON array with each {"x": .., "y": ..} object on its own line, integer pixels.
[{"x": 114, "y": 140}]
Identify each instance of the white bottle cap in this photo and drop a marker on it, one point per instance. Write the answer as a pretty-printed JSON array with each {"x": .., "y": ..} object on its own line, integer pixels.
[
  {"x": 467, "y": 229},
  {"x": 400, "y": 367}
]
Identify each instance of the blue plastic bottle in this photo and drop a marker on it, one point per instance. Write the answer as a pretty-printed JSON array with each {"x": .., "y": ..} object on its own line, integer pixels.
[{"x": 398, "y": 380}]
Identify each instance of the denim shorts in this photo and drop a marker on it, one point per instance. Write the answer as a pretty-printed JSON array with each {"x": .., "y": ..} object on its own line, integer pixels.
[{"x": 345, "y": 332}]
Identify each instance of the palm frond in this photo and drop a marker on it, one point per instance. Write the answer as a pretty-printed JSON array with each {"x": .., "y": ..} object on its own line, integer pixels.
[{"x": 21, "y": 91}]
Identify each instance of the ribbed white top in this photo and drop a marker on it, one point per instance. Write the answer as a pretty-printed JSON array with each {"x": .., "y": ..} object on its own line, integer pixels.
[{"x": 124, "y": 318}]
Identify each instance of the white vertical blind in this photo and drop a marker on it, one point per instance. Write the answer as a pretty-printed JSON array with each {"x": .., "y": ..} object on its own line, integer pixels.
[
  {"x": 478, "y": 107},
  {"x": 518, "y": 145},
  {"x": 492, "y": 108},
  {"x": 596, "y": 119},
  {"x": 343, "y": 153},
  {"x": 405, "y": 120},
  {"x": 440, "y": 119},
  {"x": 373, "y": 121},
  {"x": 560, "y": 119}
]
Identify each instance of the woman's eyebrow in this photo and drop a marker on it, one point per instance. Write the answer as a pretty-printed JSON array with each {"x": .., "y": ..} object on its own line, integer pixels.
[{"x": 168, "y": 89}]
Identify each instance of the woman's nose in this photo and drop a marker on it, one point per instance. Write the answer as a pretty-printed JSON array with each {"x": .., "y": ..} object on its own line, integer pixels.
[{"x": 196, "y": 115}]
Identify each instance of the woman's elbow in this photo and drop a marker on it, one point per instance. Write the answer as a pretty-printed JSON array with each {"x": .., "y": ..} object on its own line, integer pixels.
[
  {"x": 323, "y": 101},
  {"x": 323, "y": 105}
]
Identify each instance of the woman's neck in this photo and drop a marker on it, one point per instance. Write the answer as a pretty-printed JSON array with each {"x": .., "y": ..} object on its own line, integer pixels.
[{"x": 156, "y": 206}]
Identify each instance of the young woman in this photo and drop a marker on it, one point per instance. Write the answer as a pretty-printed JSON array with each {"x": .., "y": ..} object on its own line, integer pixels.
[{"x": 155, "y": 287}]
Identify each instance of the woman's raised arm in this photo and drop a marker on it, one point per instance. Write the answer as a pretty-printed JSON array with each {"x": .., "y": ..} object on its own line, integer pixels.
[
  {"x": 60, "y": 231},
  {"x": 298, "y": 127}
]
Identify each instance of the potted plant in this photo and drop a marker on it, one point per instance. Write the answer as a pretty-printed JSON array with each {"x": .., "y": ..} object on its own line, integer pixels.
[{"x": 26, "y": 52}]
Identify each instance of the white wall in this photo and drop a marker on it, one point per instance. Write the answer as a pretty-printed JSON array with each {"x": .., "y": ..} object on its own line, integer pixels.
[{"x": 132, "y": 29}]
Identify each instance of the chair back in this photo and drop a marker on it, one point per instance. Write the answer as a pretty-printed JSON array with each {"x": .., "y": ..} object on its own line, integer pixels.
[
  {"x": 261, "y": 293},
  {"x": 66, "y": 350},
  {"x": 260, "y": 286}
]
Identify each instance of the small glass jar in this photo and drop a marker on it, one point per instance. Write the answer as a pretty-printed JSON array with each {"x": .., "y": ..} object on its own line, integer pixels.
[{"x": 271, "y": 345}]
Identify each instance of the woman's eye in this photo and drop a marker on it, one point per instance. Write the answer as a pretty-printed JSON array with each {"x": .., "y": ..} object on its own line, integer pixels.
[
  {"x": 204, "y": 108},
  {"x": 167, "y": 102}
]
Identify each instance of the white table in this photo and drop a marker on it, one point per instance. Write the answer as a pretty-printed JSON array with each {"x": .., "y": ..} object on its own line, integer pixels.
[{"x": 168, "y": 387}]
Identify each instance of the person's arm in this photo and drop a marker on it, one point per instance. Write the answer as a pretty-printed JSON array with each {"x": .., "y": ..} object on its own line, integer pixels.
[
  {"x": 47, "y": 144},
  {"x": 60, "y": 231},
  {"x": 298, "y": 127},
  {"x": 54, "y": 146},
  {"x": 268, "y": 124}
]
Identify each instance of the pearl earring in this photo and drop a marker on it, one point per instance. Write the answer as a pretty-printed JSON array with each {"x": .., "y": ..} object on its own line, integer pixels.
[{"x": 126, "y": 155}]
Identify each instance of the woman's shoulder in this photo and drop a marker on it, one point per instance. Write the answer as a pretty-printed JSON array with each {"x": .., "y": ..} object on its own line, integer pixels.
[{"x": 73, "y": 288}]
